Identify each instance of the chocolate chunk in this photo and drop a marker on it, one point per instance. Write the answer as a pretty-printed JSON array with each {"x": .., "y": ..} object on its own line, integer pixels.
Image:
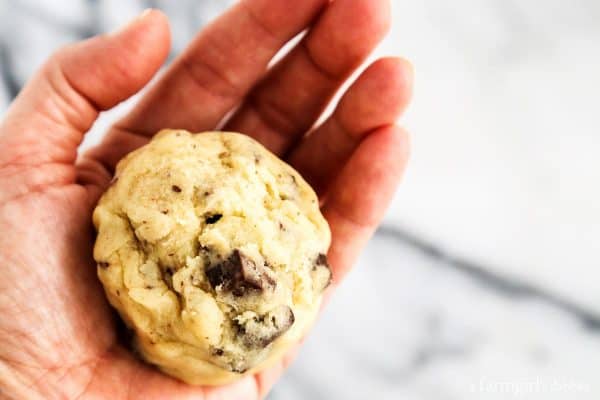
[
  {"x": 176, "y": 189},
  {"x": 322, "y": 260},
  {"x": 240, "y": 274},
  {"x": 167, "y": 276},
  {"x": 212, "y": 218},
  {"x": 321, "y": 273},
  {"x": 238, "y": 369},
  {"x": 262, "y": 330}
]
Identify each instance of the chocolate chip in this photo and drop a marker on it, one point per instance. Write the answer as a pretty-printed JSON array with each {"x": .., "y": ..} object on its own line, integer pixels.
[
  {"x": 218, "y": 352},
  {"x": 239, "y": 274},
  {"x": 212, "y": 218},
  {"x": 262, "y": 330},
  {"x": 165, "y": 212},
  {"x": 176, "y": 189},
  {"x": 103, "y": 264}
]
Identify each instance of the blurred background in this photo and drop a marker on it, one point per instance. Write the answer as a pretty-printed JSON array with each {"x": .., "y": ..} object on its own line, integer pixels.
[{"x": 483, "y": 281}]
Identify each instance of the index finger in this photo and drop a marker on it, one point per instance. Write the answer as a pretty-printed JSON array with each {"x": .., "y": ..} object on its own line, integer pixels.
[{"x": 222, "y": 63}]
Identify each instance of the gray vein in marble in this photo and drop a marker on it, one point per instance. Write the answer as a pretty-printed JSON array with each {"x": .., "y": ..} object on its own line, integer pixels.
[
  {"x": 82, "y": 30},
  {"x": 10, "y": 81},
  {"x": 500, "y": 284},
  {"x": 432, "y": 349}
]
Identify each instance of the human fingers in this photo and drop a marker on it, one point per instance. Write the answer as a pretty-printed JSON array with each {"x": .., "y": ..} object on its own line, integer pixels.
[
  {"x": 377, "y": 98},
  {"x": 46, "y": 122},
  {"x": 290, "y": 99}
]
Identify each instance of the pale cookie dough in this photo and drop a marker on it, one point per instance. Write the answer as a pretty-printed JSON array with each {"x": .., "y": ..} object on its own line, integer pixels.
[{"x": 213, "y": 252}]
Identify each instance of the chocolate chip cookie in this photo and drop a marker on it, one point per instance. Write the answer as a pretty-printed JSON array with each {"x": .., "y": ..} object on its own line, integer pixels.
[{"x": 213, "y": 252}]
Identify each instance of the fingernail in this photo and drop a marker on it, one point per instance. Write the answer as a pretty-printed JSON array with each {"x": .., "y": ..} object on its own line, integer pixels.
[
  {"x": 145, "y": 13},
  {"x": 141, "y": 16}
]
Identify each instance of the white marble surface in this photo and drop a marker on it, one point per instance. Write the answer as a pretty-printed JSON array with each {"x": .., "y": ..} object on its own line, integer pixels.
[
  {"x": 505, "y": 121},
  {"x": 411, "y": 327},
  {"x": 484, "y": 281}
]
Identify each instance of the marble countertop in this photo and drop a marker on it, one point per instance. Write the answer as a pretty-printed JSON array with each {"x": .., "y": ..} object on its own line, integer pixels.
[{"x": 484, "y": 280}]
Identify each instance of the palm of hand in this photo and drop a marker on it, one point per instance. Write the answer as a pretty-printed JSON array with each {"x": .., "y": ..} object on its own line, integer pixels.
[{"x": 57, "y": 332}]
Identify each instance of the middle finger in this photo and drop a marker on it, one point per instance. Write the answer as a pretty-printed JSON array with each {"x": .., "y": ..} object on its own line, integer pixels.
[
  {"x": 289, "y": 100},
  {"x": 220, "y": 66}
]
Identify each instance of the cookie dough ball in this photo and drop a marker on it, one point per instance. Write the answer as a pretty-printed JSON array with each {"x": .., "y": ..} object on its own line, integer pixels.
[{"x": 213, "y": 252}]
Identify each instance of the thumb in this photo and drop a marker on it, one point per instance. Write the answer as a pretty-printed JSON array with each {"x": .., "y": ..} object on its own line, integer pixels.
[{"x": 47, "y": 120}]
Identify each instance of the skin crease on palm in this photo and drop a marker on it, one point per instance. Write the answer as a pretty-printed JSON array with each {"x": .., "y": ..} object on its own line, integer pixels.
[{"x": 57, "y": 332}]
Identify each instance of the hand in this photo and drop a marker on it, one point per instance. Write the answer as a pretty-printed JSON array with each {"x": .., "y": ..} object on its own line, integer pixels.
[{"x": 57, "y": 332}]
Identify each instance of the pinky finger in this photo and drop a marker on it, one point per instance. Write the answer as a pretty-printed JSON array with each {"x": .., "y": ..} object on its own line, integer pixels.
[{"x": 362, "y": 192}]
